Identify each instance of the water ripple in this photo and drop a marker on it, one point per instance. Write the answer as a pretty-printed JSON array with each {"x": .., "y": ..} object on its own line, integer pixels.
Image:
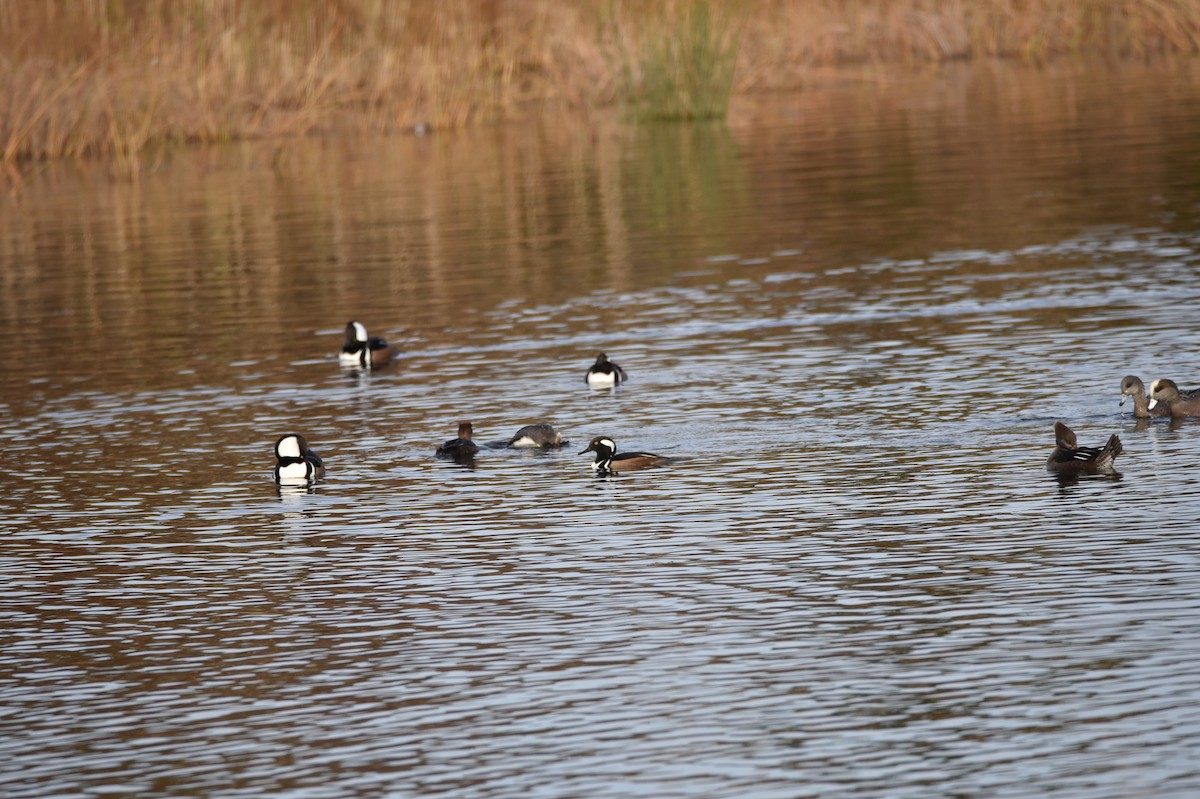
[{"x": 855, "y": 579}]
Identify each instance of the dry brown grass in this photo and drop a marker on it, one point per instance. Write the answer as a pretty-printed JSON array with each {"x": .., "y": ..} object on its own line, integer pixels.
[
  {"x": 114, "y": 78},
  {"x": 908, "y": 32}
]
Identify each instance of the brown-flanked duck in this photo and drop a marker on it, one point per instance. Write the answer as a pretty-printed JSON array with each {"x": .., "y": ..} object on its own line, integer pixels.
[
  {"x": 1133, "y": 387},
  {"x": 1179, "y": 404},
  {"x": 363, "y": 351},
  {"x": 608, "y": 460}
]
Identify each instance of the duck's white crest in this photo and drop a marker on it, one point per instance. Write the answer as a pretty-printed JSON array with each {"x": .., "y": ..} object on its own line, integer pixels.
[{"x": 289, "y": 447}]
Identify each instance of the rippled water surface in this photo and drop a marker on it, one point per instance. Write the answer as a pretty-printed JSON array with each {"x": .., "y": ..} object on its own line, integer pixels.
[{"x": 851, "y": 317}]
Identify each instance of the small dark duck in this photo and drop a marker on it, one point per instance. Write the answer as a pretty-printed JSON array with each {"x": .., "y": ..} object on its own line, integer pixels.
[
  {"x": 604, "y": 373},
  {"x": 461, "y": 448},
  {"x": 1070, "y": 458}
]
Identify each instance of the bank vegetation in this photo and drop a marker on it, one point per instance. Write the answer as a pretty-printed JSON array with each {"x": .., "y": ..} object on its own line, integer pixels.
[{"x": 116, "y": 78}]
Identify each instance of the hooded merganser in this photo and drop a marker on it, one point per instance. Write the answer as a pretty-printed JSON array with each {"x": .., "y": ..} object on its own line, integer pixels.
[
  {"x": 537, "y": 435},
  {"x": 460, "y": 448},
  {"x": 1132, "y": 386},
  {"x": 363, "y": 351},
  {"x": 604, "y": 373},
  {"x": 609, "y": 460},
  {"x": 295, "y": 463},
  {"x": 1069, "y": 457},
  {"x": 1179, "y": 404}
]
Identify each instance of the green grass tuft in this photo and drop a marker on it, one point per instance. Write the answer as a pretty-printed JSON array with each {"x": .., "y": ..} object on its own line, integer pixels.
[{"x": 683, "y": 65}]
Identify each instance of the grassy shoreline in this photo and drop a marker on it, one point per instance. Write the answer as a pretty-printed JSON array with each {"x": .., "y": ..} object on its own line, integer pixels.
[{"x": 115, "y": 78}]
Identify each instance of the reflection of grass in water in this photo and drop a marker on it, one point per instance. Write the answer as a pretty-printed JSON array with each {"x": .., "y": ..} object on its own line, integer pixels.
[
  {"x": 683, "y": 61},
  {"x": 691, "y": 174}
]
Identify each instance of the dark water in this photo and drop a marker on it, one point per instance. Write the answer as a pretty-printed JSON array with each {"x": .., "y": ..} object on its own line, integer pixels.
[{"x": 852, "y": 316}]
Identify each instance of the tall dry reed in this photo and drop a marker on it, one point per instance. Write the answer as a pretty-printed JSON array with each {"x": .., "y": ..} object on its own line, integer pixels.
[{"x": 113, "y": 78}]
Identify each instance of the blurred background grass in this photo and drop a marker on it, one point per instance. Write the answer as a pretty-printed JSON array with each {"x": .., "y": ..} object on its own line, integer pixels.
[{"x": 112, "y": 78}]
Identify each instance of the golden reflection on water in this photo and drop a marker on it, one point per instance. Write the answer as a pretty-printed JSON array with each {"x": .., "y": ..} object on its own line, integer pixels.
[{"x": 243, "y": 251}]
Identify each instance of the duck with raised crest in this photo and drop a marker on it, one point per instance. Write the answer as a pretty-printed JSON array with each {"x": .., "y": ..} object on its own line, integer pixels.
[
  {"x": 604, "y": 373},
  {"x": 1070, "y": 458},
  {"x": 363, "y": 351},
  {"x": 609, "y": 461},
  {"x": 295, "y": 463}
]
